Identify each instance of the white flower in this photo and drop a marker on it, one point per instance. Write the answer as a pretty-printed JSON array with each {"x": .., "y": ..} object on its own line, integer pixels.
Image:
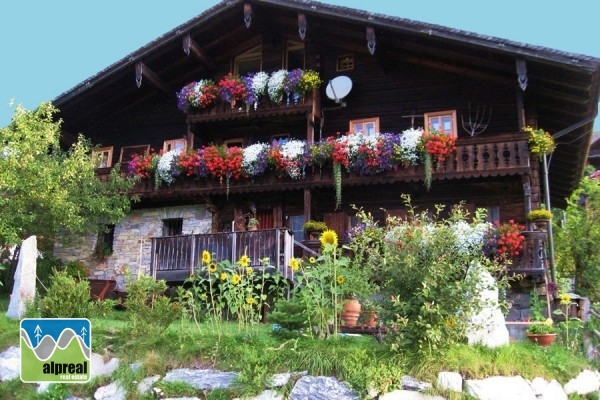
[
  {"x": 293, "y": 149},
  {"x": 469, "y": 237},
  {"x": 251, "y": 157},
  {"x": 275, "y": 85},
  {"x": 166, "y": 165},
  {"x": 259, "y": 83},
  {"x": 409, "y": 142}
]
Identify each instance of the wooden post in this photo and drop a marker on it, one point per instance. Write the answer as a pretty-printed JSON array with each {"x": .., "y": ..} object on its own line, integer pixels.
[{"x": 307, "y": 204}]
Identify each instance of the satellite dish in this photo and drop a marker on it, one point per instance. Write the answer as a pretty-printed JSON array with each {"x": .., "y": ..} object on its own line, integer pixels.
[{"x": 338, "y": 88}]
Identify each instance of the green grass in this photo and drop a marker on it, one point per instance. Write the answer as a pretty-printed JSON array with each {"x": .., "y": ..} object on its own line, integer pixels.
[{"x": 257, "y": 354}]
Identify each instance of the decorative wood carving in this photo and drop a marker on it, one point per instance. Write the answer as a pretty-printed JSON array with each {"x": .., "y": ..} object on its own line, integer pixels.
[
  {"x": 522, "y": 74},
  {"x": 190, "y": 46},
  {"x": 301, "y": 25},
  {"x": 247, "y": 14},
  {"x": 142, "y": 70},
  {"x": 371, "y": 40}
]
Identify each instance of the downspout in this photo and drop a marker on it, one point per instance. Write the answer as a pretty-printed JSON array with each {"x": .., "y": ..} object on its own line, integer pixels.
[{"x": 545, "y": 165}]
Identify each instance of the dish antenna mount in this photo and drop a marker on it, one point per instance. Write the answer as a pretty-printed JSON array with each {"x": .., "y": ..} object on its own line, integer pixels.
[{"x": 338, "y": 88}]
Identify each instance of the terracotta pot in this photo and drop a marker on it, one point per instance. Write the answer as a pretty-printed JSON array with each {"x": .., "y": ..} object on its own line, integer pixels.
[
  {"x": 253, "y": 228},
  {"x": 540, "y": 224},
  {"x": 371, "y": 319},
  {"x": 545, "y": 339},
  {"x": 350, "y": 312}
]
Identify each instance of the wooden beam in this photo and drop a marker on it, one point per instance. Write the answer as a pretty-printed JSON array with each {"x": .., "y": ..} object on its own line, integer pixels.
[
  {"x": 190, "y": 46},
  {"x": 142, "y": 71}
]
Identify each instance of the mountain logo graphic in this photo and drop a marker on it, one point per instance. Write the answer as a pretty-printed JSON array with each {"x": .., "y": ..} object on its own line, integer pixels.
[{"x": 56, "y": 350}]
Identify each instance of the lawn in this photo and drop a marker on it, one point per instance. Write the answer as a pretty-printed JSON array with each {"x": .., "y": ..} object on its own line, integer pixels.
[{"x": 257, "y": 353}]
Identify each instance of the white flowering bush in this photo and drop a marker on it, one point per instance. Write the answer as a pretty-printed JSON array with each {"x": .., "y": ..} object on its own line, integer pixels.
[
  {"x": 408, "y": 149},
  {"x": 255, "y": 159},
  {"x": 167, "y": 168},
  {"x": 259, "y": 86},
  {"x": 275, "y": 84}
]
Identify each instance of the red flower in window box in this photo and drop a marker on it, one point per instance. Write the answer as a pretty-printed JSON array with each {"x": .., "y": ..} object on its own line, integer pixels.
[{"x": 439, "y": 145}]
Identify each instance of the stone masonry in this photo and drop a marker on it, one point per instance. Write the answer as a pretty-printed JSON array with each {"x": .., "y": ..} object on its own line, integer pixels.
[{"x": 133, "y": 240}]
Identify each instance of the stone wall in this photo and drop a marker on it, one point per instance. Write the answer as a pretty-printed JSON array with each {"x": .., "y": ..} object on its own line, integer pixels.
[{"x": 133, "y": 241}]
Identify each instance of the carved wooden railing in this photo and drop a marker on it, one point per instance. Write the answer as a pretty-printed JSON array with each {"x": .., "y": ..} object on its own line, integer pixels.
[
  {"x": 474, "y": 157},
  {"x": 533, "y": 257},
  {"x": 177, "y": 257}
]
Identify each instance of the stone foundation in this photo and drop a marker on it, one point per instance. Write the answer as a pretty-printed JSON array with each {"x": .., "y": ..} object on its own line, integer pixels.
[{"x": 133, "y": 241}]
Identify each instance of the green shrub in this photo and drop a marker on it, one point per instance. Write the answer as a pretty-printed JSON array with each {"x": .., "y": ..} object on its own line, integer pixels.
[
  {"x": 289, "y": 314},
  {"x": 44, "y": 267},
  {"x": 314, "y": 226},
  {"x": 539, "y": 214},
  {"x": 150, "y": 311},
  {"x": 67, "y": 297}
]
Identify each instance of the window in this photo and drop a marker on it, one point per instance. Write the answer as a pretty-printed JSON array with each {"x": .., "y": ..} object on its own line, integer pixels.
[
  {"x": 103, "y": 157},
  {"x": 345, "y": 63},
  {"x": 442, "y": 121},
  {"x": 294, "y": 57},
  {"x": 296, "y": 226},
  {"x": 250, "y": 61},
  {"x": 367, "y": 126},
  {"x": 129, "y": 151},
  {"x": 237, "y": 142},
  {"x": 175, "y": 144},
  {"x": 493, "y": 214},
  {"x": 104, "y": 243},
  {"x": 172, "y": 226},
  {"x": 281, "y": 139}
]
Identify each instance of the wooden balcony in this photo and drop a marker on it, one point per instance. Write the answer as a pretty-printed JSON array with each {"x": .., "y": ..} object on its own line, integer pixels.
[
  {"x": 174, "y": 258},
  {"x": 498, "y": 155},
  {"x": 532, "y": 260}
]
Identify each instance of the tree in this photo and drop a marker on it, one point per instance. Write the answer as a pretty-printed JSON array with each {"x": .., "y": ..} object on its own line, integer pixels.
[
  {"x": 49, "y": 191},
  {"x": 577, "y": 241}
]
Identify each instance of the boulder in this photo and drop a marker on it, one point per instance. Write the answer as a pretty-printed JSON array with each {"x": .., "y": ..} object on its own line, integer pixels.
[{"x": 25, "y": 277}]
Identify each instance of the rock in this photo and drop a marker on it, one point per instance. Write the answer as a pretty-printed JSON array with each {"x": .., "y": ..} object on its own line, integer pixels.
[
  {"x": 500, "y": 388},
  {"x": 408, "y": 395},
  {"x": 449, "y": 381},
  {"x": 146, "y": 384},
  {"x": 488, "y": 327},
  {"x": 266, "y": 395},
  {"x": 279, "y": 380},
  {"x": 545, "y": 390},
  {"x": 42, "y": 387},
  {"x": 100, "y": 368},
  {"x": 410, "y": 383},
  {"x": 24, "y": 285},
  {"x": 202, "y": 378},
  {"x": 114, "y": 391},
  {"x": 10, "y": 364},
  {"x": 586, "y": 382},
  {"x": 321, "y": 388}
]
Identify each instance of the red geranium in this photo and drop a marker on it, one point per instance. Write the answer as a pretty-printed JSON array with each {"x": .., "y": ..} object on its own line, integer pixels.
[
  {"x": 232, "y": 88},
  {"x": 439, "y": 145},
  {"x": 223, "y": 161},
  {"x": 142, "y": 165},
  {"x": 504, "y": 240},
  {"x": 189, "y": 162}
]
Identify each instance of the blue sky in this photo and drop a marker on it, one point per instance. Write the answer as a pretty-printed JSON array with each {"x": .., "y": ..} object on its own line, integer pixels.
[{"x": 48, "y": 47}]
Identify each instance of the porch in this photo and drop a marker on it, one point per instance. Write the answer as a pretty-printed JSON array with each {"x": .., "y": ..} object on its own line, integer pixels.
[{"x": 174, "y": 258}]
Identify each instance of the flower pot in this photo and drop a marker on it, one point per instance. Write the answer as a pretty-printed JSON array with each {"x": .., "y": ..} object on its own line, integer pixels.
[
  {"x": 350, "y": 312},
  {"x": 543, "y": 339},
  {"x": 371, "y": 319},
  {"x": 540, "y": 224}
]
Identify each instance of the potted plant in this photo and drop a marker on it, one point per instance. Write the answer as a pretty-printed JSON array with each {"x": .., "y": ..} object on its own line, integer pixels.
[
  {"x": 252, "y": 224},
  {"x": 312, "y": 229},
  {"x": 542, "y": 333},
  {"x": 540, "y": 218}
]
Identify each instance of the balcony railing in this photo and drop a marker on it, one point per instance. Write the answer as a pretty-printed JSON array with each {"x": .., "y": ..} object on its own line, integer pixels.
[
  {"x": 174, "y": 258},
  {"x": 533, "y": 257},
  {"x": 474, "y": 157}
]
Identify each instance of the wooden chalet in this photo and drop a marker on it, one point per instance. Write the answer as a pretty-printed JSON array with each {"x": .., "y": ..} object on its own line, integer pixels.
[{"x": 404, "y": 74}]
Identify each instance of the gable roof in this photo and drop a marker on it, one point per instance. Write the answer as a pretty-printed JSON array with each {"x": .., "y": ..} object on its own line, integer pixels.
[{"x": 565, "y": 85}]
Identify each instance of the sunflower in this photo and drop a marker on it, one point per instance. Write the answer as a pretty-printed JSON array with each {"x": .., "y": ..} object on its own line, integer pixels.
[
  {"x": 235, "y": 279},
  {"x": 565, "y": 298},
  {"x": 312, "y": 260},
  {"x": 294, "y": 264},
  {"x": 329, "y": 237},
  {"x": 249, "y": 271},
  {"x": 244, "y": 261},
  {"x": 250, "y": 300},
  {"x": 212, "y": 268},
  {"x": 340, "y": 279},
  {"x": 206, "y": 257},
  {"x": 223, "y": 276}
]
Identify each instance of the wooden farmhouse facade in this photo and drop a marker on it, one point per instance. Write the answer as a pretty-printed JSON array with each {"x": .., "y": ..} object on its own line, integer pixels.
[{"x": 380, "y": 74}]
